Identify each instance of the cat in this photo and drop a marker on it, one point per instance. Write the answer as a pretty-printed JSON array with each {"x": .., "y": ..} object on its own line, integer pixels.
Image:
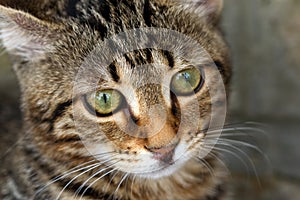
[{"x": 100, "y": 123}]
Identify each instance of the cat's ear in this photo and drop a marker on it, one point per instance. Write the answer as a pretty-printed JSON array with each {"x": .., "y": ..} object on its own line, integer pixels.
[
  {"x": 210, "y": 9},
  {"x": 25, "y": 35}
]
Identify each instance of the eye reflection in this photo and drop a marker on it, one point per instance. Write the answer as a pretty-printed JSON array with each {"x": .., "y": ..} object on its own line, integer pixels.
[{"x": 186, "y": 82}]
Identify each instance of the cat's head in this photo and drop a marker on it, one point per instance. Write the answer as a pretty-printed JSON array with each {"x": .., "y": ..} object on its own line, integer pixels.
[{"x": 140, "y": 99}]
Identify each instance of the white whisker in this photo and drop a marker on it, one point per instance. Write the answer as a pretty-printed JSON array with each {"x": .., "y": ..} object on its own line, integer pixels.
[
  {"x": 242, "y": 143},
  {"x": 95, "y": 174},
  {"x": 69, "y": 172},
  {"x": 72, "y": 171},
  {"x": 109, "y": 183},
  {"x": 132, "y": 183},
  {"x": 233, "y": 154},
  {"x": 206, "y": 165},
  {"x": 245, "y": 155},
  {"x": 241, "y": 130},
  {"x": 107, "y": 173},
  {"x": 215, "y": 156},
  {"x": 57, "y": 198},
  {"x": 123, "y": 178}
]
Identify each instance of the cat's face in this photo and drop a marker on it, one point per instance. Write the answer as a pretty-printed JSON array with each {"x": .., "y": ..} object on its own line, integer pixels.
[
  {"x": 152, "y": 109},
  {"x": 145, "y": 111}
]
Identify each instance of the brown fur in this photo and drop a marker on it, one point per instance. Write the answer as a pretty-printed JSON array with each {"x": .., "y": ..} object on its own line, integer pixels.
[{"x": 59, "y": 37}]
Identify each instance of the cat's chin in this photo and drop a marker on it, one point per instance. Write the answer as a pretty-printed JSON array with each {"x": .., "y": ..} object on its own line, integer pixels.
[{"x": 165, "y": 170}]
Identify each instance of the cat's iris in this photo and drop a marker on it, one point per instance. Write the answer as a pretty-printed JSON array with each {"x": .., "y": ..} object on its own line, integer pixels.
[
  {"x": 186, "y": 81},
  {"x": 104, "y": 102}
]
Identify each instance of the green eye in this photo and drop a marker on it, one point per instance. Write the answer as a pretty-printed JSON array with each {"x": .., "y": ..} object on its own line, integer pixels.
[
  {"x": 104, "y": 102},
  {"x": 186, "y": 81}
]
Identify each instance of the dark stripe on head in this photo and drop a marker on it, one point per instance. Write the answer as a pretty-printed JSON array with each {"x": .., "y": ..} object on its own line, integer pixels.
[
  {"x": 97, "y": 25},
  {"x": 149, "y": 55},
  {"x": 105, "y": 11},
  {"x": 147, "y": 13},
  {"x": 131, "y": 5},
  {"x": 90, "y": 18},
  {"x": 113, "y": 71},
  {"x": 71, "y": 8},
  {"x": 139, "y": 57},
  {"x": 170, "y": 57},
  {"x": 129, "y": 61}
]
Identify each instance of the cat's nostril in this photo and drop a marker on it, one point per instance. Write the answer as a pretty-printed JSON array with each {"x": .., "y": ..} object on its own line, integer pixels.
[
  {"x": 161, "y": 150},
  {"x": 163, "y": 154}
]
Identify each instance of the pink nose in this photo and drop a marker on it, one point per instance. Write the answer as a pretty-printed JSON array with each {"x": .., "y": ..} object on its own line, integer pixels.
[{"x": 163, "y": 154}]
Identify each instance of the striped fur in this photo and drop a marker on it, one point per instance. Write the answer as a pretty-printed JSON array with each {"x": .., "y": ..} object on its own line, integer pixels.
[{"x": 50, "y": 43}]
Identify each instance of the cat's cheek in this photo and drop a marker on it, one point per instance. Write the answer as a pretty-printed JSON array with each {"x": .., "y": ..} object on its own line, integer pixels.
[{"x": 188, "y": 147}]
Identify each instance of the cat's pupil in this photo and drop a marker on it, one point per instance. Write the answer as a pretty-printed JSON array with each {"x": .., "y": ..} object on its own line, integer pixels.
[
  {"x": 104, "y": 102},
  {"x": 105, "y": 98}
]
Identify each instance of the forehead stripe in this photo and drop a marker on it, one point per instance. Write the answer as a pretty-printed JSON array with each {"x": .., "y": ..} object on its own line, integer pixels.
[{"x": 113, "y": 71}]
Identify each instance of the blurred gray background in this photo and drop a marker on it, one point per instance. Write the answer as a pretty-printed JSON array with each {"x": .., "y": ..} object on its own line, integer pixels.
[{"x": 264, "y": 36}]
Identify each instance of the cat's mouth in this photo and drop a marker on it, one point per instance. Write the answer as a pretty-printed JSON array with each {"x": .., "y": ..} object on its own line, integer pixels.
[
  {"x": 164, "y": 169},
  {"x": 168, "y": 160}
]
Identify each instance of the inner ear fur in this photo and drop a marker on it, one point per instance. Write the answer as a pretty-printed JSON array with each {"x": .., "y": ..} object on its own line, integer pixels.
[{"x": 25, "y": 35}]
